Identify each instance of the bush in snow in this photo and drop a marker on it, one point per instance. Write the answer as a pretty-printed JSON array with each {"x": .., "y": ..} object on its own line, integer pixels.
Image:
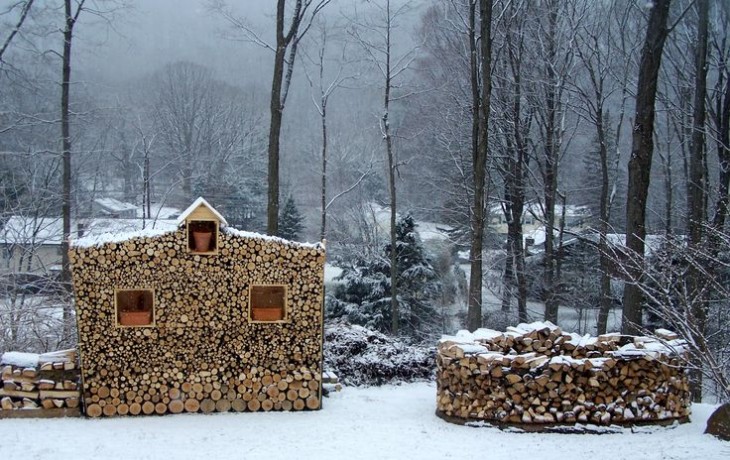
[
  {"x": 360, "y": 356},
  {"x": 363, "y": 297}
]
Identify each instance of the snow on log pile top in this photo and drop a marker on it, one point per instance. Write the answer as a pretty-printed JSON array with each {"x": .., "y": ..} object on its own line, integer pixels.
[
  {"x": 121, "y": 234},
  {"x": 112, "y": 236},
  {"x": 535, "y": 374},
  {"x": 19, "y": 359},
  {"x": 548, "y": 340},
  {"x": 275, "y": 239}
]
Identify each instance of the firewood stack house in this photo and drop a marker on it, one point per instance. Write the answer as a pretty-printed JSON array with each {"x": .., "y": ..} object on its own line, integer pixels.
[{"x": 205, "y": 318}]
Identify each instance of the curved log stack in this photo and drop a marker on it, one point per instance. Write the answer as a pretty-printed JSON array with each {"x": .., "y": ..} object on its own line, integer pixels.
[
  {"x": 536, "y": 376},
  {"x": 202, "y": 351}
]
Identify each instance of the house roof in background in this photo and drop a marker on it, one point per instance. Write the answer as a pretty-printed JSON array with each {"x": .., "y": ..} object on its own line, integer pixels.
[
  {"x": 114, "y": 205},
  {"x": 32, "y": 231},
  {"x": 158, "y": 211}
]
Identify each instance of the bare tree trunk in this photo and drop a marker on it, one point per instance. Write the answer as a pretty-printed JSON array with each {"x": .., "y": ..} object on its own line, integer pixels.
[
  {"x": 323, "y": 232},
  {"x": 642, "y": 147},
  {"x": 697, "y": 190},
  {"x": 604, "y": 261},
  {"x": 71, "y": 18},
  {"x": 722, "y": 124},
  {"x": 550, "y": 177},
  {"x": 272, "y": 213},
  {"x": 474, "y": 313},
  {"x": 385, "y": 126}
]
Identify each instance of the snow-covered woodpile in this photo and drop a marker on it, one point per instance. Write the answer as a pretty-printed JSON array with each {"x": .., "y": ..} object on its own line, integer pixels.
[
  {"x": 535, "y": 374},
  {"x": 236, "y": 325},
  {"x": 35, "y": 385}
]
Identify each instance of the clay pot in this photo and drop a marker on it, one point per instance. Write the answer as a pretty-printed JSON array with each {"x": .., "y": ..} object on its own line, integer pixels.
[
  {"x": 202, "y": 240},
  {"x": 267, "y": 314},
  {"x": 135, "y": 318}
]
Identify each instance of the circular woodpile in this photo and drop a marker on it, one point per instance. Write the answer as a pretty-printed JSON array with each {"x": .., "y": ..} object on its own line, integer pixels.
[
  {"x": 536, "y": 375},
  {"x": 202, "y": 353}
]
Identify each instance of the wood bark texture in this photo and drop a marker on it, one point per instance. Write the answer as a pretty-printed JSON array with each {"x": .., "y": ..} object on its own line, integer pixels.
[
  {"x": 541, "y": 376},
  {"x": 50, "y": 389},
  {"x": 203, "y": 353}
]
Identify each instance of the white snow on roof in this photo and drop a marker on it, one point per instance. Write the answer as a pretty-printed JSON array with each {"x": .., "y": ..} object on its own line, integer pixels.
[
  {"x": 102, "y": 231},
  {"x": 194, "y": 206},
  {"x": 157, "y": 211},
  {"x": 32, "y": 231},
  {"x": 536, "y": 209},
  {"x": 431, "y": 231},
  {"x": 115, "y": 205}
]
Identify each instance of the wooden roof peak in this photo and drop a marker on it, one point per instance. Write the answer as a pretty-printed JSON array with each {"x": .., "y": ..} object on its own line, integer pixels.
[{"x": 196, "y": 204}]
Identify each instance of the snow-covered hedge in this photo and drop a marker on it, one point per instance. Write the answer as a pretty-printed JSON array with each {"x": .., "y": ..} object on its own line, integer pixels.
[{"x": 360, "y": 356}]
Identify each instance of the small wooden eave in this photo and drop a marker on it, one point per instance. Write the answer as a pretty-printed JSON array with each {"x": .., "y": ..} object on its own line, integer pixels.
[{"x": 196, "y": 204}]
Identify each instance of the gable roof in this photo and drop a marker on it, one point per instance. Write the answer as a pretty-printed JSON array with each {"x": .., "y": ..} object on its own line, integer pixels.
[{"x": 197, "y": 203}]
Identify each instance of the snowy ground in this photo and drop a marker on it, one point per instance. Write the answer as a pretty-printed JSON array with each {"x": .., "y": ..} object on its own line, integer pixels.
[{"x": 391, "y": 422}]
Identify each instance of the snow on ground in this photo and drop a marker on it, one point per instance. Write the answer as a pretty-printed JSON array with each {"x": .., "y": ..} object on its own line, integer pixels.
[{"x": 390, "y": 422}]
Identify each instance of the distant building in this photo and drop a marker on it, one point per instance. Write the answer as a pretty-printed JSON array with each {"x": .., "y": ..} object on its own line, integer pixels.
[
  {"x": 33, "y": 244},
  {"x": 111, "y": 207},
  {"x": 577, "y": 219}
]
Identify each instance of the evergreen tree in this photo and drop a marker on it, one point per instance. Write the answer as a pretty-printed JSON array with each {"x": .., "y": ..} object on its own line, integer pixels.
[
  {"x": 290, "y": 221},
  {"x": 364, "y": 295}
]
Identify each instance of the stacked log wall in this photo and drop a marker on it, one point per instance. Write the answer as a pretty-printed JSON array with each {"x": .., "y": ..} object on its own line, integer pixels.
[
  {"x": 536, "y": 375},
  {"x": 203, "y": 353},
  {"x": 44, "y": 385}
]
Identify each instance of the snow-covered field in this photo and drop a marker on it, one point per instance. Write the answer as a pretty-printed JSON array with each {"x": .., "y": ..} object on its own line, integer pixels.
[{"x": 391, "y": 422}]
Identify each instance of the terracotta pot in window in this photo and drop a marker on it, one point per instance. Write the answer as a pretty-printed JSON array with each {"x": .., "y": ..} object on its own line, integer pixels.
[
  {"x": 202, "y": 240},
  {"x": 267, "y": 314},
  {"x": 135, "y": 318}
]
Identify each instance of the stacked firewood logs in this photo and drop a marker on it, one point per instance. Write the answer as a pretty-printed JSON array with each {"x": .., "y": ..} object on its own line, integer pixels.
[
  {"x": 203, "y": 353},
  {"x": 536, "y": 374},
  {"x": 44, "y": 382}
]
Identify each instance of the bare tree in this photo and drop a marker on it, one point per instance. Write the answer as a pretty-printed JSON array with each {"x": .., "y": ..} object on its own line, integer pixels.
[
  {"x": 601, "y": 41},
  {"x": 696, "y": 198},
  {"x": 721, "y": 111},
  {"x": 326, "y": 86},
  {"x": 642, "y": 147},
  {"x": 71, "y": 16},
  {"x": 514, "y": 128},
  {"x": 25, "y": 7},
  {"x": 375, "y": 35},
  {"x": 482, "y": 100},
  {"x": 285, "y": 53}
]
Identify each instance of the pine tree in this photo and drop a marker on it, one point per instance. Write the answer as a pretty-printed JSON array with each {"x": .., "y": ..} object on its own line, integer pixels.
[
  {"x": 290, "y": 221},
  {"x": 364, "y": 295}
]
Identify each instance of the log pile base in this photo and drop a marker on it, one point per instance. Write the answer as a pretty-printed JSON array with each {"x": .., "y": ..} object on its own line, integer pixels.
[{"x": 577, "y": 428}]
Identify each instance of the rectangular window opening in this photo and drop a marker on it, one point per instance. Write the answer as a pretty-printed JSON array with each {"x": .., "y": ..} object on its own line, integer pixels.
[
  {"x": 267, "y": 303},
  {"x": 135, "y": 307}
]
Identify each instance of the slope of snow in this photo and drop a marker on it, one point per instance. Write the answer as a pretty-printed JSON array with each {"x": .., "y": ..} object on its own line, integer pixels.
[{"x": 390, "y": 422}]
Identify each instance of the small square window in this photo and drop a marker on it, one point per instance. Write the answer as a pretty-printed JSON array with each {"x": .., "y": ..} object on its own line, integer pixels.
[
  {"x": 267, "y": 303},
  {"x": 203, "y": 236},
  {"x": 135, "y": 307}
]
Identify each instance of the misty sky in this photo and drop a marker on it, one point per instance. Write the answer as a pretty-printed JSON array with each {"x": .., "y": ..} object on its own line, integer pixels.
[{"x": 156, "y": 32}]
